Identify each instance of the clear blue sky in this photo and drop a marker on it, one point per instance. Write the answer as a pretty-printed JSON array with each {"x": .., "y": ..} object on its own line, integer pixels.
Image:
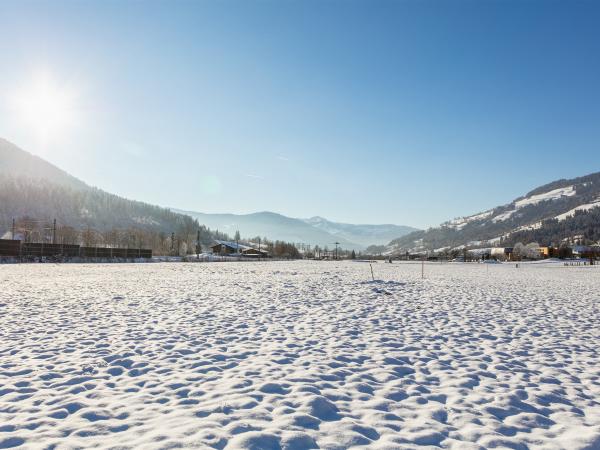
[{"x": 408, "y": 112}]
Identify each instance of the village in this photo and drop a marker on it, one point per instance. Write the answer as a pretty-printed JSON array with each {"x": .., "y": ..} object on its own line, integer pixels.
[
  {"x": 23, "y": 250},
  {"x": 519, "y": 252}
]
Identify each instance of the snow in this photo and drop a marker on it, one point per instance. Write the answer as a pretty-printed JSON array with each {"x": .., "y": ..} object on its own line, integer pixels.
[
  {"x": 531, "y": 226},
  {"x": 474, "y": 243},
  {"x": 554, "y": 194},
  {"x": 585, "y": 207},
  {"x": 9, "y": 235},
  {"x": 297, "y": 355},
  {"x": 233, "y": 244},
  {"x": 504, "y": 216},
  {"x": 460, "y": 222},
  {"x": 145, "y": 221}
]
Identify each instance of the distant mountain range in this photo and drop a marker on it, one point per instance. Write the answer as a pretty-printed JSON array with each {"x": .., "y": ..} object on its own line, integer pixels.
[
  {"x": 364, "y": 235},
  {"x": 313, "y": 231},
  {"x": 33, "y": 187},
  {"x": 559, "y": 212}
]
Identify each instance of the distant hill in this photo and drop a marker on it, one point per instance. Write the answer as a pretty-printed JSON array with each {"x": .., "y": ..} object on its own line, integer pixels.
[
  {"x": 272, "y": 225},
  {"x": 560, "y": 211},
  {"x": 34, "y": 188},
  {"x": 313, "y": 231},
  {"x": 364, "y": 235}
]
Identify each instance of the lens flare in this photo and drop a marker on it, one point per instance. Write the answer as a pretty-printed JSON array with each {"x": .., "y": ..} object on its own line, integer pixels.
[{"x": 45, "y": 106}]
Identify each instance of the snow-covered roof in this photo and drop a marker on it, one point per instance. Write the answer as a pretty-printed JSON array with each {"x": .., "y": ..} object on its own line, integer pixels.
[
  {"x": 232, "y": 245},
  {"x": 9, "y": 235}
]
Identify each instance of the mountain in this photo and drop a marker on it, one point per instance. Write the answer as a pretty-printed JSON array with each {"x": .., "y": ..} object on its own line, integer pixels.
[
  {"x": 17, "y": 162},
  {"x": 272, "y": 225},
  {"x": 564, "y": 210},
  {"x": 34, "y": 188},
  {"x": 364, "y": 235},
  {"x": 313, "y": 231},
  {"x": 35, "y": 192}
]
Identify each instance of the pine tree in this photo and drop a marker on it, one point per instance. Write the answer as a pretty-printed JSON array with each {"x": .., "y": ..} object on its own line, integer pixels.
[{"x": 237, "y": 240}]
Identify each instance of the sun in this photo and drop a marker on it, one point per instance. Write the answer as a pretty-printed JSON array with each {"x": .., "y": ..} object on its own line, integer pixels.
[{"x": 45, "y": 106}]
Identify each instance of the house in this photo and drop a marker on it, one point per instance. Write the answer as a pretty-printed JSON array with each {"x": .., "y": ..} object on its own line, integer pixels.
[
  {"x": 501, "y": 253},
  {"x": 481, "y": 253},
  {"x": 255, "y": 253},
  {"x": 586, "y": 251},
  {"x": 547, "y": 252},
  {"x": 235, "y": 248}
]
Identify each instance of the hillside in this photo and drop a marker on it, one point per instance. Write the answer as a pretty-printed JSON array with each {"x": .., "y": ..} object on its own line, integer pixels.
[
  {"x": 17, "y": 162},
  {"x": 33, "y": 188},
  {"x": 564, "y": 210},
  {"x": 313, "y": 231},
  {"x": 364, "y": 235},
  {"x": 272, "y": 225}
]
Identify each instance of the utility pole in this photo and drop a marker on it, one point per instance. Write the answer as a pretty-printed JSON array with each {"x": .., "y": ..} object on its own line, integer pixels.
[
  {"x": 172, "y": 244},
  {"x": 198, "y": 246},
  {"x": 54, "y": 232},
  {"x": 336, "y": 250},
  {"x": 13, "y": 229}
]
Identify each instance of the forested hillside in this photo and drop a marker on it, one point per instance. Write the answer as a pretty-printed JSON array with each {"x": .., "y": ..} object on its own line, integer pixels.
[
  {"x": 563, "y": 210},
  {"x": 102, "y": 217},
  {"x": 34, "y": 193}
]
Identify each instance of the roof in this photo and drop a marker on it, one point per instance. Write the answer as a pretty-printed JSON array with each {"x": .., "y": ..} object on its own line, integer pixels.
[{"x": 234, "y": 245}]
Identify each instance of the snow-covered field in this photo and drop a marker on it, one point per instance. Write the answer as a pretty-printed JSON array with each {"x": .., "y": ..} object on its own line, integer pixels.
[{"x": 299, "y": 355}]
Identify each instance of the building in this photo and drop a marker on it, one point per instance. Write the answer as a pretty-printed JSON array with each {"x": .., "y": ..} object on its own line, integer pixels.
[
  {"x": 501, "y": 253},
  {"x": 547, "y": 252},
  {"x": 586, "y": 251},
  {"x": 234, "y": 248}
]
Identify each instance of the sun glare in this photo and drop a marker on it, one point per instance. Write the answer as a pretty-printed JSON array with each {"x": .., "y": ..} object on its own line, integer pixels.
[{"x": 46, "y": 107}]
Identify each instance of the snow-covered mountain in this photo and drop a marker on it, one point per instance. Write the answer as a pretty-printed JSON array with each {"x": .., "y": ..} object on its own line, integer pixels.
[
  {"x": 564, "y": 210},
  {"x": 314, "y": 231},
  {"x": 362, "y": 234},
  {"x": 272, "y": 225}
]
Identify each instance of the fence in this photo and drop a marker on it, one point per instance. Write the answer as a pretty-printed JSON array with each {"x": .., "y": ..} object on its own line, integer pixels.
[
  {"x": 9, "y": 247},
  {"x": 40, "y": 249},
  {"x": 16, "y": 249}
]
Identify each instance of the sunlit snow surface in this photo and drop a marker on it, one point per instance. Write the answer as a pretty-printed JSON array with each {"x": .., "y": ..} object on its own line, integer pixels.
[{"x": 299, "y": 355}]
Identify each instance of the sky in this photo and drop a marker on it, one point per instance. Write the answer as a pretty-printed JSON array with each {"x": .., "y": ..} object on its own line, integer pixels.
[{"x": 406, "y": 112}]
